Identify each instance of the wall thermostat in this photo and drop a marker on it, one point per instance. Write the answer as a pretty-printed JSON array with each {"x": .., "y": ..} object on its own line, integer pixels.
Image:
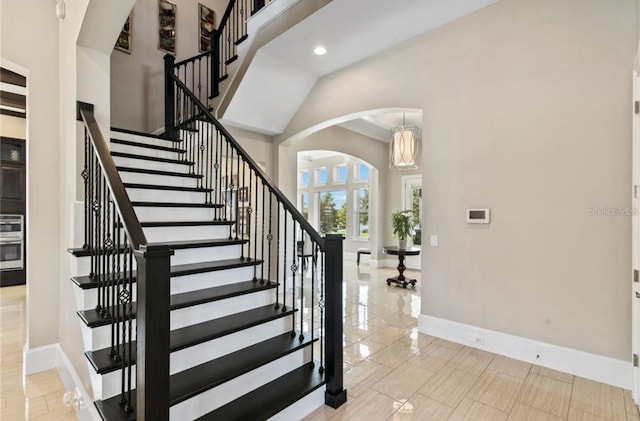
[{"x": 478, "y": 216}]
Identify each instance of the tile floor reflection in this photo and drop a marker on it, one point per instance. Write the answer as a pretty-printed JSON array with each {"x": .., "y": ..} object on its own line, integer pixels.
[
  {"x": 394, "y": 373},
  {"x": 37, "y": 397}
]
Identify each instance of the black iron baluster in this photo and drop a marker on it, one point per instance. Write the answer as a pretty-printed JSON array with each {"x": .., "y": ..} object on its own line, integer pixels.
[
  {"x": 314, "y": 259},
  {"x": 255, "y": 227},
  {"x": 121, "y": 304},
  {"x": 85, "y": 176},
  {"x": 262, "y": 254},
  {"x": 284, "y": 263},
  {"x": 119, "y": 315},
  {"x": 218, "y": 175},
  {"x": 246, "y": 220},
  {"x": 269, "y": 239},
  {"x": 321, "y": 307},
  {"x": 277, "y": 253},
  {"x": 294, "y": 270},
  {"x": 303, "y": 265},
  {"x": 129, "y": 315}
]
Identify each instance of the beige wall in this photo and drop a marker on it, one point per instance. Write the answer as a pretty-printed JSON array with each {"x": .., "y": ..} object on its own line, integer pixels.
[
  {"x": 37, "y": 51},
  {"x": 137, "y": 79},
  {"x": 526, "y": 111}
]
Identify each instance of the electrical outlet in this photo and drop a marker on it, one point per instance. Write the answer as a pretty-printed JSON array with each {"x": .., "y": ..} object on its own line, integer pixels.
[{"x": 434, "y": 241}]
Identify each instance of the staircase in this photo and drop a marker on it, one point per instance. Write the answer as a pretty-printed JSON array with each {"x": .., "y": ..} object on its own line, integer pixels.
[{"x": 202, "y": 292}]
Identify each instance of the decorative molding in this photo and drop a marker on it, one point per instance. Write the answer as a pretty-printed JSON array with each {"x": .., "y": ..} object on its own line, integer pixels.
[{"x": 599, "y": 368}]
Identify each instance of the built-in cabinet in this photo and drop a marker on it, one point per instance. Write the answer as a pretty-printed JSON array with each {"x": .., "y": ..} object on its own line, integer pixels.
[{"x": 12, "y": 211}]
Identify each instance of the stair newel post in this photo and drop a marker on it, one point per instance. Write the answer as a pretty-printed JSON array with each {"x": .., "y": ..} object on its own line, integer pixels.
[
  {"x": 169, "y": 97},
  {"x": 152, "y": 316},
  {"x": 335, "y": 394}
]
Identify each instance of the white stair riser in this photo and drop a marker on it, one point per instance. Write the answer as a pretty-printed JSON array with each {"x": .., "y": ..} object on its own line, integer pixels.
[
  {"x": 87, "y": 299},
  {"x": 151, "y": 165},
  {"x": 205, "y": 254},
  {"x": 153, "y": 213},
  {"x": 141, "y": 150},
  {"x": 199, "y": 354},
  {"x": 166, "y": 180},
  {"x": 301, "y": 408},
  {"x": 210, "y": 279},
  {"x": 150, "y": 195},
  {"x": 100, "y": 337},
  {"x": 142, "y": 139},
  {"x": 215, "y": 398},
  {"x": 201, "y": 313},
  {"x": 199, "y": 232},
  {"x": 81, "y": 266}
]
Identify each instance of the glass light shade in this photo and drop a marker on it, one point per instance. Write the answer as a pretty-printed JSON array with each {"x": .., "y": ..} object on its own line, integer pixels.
[{"x": 403, "y": 148}]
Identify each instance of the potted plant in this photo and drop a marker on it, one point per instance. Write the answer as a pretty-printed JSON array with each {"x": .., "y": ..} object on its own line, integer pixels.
[{"x": 402, "y": 225}]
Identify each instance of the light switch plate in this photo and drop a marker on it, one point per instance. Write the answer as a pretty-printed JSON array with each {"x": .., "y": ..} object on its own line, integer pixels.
[{"x": 434, "y": 241}]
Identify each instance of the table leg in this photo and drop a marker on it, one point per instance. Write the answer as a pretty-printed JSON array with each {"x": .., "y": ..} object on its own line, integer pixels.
[{"x": 401, "y": 268}]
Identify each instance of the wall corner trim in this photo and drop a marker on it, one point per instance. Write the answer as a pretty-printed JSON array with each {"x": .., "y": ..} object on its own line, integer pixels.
[
  {"x": 50, "y": 357},
  {"x": 599, "y": 368}
]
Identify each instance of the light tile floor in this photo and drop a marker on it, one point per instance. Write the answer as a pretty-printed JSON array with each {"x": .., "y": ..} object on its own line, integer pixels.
[
  {"x": 37, "y": 397},
  {"x": 392, "y": 372}
]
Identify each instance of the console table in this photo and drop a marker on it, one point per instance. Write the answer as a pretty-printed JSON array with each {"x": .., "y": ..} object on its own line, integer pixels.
[{"x": 401, "y": 253}]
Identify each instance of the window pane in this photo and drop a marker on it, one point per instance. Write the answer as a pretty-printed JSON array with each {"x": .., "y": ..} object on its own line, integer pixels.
[
  {"x": 333, "y": 212},
  {"x": 363, "y": 213},
  {"x": 363, "y": 172},
  {"x": 304, "y": 204},
  {"x": 340, "y": 174},
  {"x": 304, "y": 178},
  {"x": 321, "y": 176}
]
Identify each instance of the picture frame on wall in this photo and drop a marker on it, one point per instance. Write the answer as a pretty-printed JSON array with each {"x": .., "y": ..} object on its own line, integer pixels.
[
  {"x": 207, "y": 21},
  {"x": 123, "y": 43},
  {"x": 167, "y": 26}
]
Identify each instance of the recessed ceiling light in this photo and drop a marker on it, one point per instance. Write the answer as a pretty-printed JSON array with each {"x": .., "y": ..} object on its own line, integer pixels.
[{"x": 319, "y": 51}]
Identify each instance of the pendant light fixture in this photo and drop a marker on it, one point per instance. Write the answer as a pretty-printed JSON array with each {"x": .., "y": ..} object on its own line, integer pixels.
[{"x": 403, "y": 147}]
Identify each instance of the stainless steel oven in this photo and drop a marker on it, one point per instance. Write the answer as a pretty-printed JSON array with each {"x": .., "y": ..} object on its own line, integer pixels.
[{"x": 11, "y": 242}]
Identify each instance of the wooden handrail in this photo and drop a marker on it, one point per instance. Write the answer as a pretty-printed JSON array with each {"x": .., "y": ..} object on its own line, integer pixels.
[
  {"x": 120, "y": 197},
  {"x": 295, "y": 213}
]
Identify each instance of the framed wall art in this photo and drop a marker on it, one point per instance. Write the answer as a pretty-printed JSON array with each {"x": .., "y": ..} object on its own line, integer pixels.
[
  {"x": 206, "y": 24},
  {"x": 167, "y": 26},
  {"x": 123, "y": 43}
]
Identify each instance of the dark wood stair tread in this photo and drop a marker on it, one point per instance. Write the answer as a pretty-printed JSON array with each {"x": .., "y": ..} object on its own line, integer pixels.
[
  {"x": 162, "y": 187},
  {"x": 151, "y": 158},
  {"x": 266, "y": 401},
  {"x": 193, "y": 381},
  {"x": 85, "y": 282},
  {"x": 175, "y": 205},
  {"x": 157, "y": 172},
  {"x": 195, "y": 334},
  {"x": 147, "y": 145}
]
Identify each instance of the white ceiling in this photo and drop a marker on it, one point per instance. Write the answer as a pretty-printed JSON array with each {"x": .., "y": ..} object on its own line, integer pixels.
[{"x": 350, "y": 30}]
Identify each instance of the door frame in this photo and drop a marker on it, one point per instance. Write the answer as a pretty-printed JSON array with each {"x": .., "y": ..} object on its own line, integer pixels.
[{"x": 635, "y": 227}]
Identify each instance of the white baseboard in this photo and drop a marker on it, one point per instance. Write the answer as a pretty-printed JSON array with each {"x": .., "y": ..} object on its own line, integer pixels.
[
  {"x": 579, "y": 363},
  {"x": 52, "y": 356},
  {"x": 39, "y": 359}
]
